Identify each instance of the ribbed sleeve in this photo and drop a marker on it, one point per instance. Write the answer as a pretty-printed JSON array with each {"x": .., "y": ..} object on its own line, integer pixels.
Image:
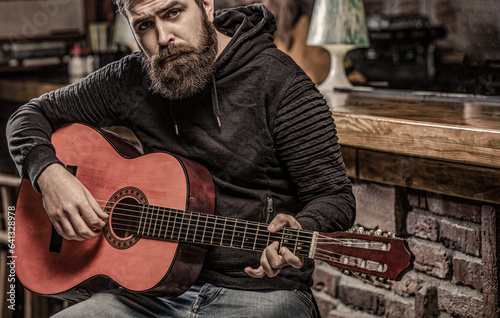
[
  {"x": 307, "y": 144},
  {"x": 306, "y": 141}
]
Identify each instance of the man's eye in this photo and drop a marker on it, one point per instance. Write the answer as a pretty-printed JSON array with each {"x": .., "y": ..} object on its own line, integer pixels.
[
  {"x": 173, "y": 13},
  {"x": 143, "y": 26}
]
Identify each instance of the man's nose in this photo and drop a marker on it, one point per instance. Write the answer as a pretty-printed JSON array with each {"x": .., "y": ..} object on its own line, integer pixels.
[{"x": 165, "y": 34}]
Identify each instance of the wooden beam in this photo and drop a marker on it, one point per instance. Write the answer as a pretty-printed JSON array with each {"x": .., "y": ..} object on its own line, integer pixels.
[{"x": 460, "y": 180}]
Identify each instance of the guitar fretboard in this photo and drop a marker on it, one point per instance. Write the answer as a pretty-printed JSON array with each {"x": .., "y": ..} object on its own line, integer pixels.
[{"x": 193, "y": 227}]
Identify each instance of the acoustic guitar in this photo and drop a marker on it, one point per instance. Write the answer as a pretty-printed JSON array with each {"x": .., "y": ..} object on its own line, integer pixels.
[{"x": 161, "y": 222}]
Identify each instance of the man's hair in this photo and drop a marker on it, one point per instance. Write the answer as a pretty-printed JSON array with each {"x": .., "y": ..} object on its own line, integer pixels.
[{"x": 123, "y": 5}]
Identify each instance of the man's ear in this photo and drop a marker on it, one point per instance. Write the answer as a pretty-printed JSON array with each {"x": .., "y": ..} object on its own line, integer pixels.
[{"x": 209, "y": 9}]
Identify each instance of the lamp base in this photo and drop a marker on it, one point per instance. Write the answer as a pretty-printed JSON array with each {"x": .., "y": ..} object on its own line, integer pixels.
[{"x": 337, "y": 77}]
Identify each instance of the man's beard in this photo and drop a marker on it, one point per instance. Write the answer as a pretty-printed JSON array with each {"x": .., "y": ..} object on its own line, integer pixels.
[{"x": 187, "y": 74}]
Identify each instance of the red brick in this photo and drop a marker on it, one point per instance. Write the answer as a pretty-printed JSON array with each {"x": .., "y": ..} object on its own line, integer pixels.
[
  {"x": 423, "y": 224},
  {"x": 362, "y": 296},
  {"x": 409, "y": 284},
  {"x": 378, "y": 206},
  {"x": 459, "y": 208},
  {"x": 426, "y": 302},
  {"x": 461, "y": 235},
  {"x": 430, "y": 257},
  {"x": 460, "y": 301},
  {"x": 326, "y": 278},
  {"x": 397, "y": 307},
  {"x": 467, "y": 270}
]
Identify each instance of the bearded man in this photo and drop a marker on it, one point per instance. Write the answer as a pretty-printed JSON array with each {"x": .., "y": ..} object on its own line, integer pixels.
[{"x": 211, "y": 87}]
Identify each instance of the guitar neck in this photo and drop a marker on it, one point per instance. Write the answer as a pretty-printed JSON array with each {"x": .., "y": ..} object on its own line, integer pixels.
[
  {"x": 192, "y": 227},
  {"x": 380, "y": 255}
]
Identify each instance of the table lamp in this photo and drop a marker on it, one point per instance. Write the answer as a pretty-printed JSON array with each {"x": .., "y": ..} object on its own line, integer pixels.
[{"x": 338, "y": 26}]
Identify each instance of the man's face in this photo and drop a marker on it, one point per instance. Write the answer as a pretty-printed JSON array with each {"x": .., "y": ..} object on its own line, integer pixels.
[{"x": 179, "y": 44}]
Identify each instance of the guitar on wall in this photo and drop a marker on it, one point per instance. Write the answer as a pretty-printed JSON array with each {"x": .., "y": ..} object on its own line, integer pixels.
[{"x": 162, "y": 205}]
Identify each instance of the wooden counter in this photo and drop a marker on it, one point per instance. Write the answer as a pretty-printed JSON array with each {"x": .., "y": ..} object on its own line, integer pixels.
[{"x": 444, "y": 146}]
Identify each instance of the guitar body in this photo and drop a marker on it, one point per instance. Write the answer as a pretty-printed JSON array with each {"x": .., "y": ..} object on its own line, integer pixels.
[{"x": 114, "y": 172}]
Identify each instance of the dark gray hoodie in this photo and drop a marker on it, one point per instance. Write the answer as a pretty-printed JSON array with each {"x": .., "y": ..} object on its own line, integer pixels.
[{"x": 275, "y": 150}]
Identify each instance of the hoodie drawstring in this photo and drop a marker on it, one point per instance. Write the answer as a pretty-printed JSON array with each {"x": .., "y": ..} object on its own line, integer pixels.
[
  {"x": 215, "y": 106},
  {"x": 173, "y": 119},
  {"x": 215, "y": 101}
]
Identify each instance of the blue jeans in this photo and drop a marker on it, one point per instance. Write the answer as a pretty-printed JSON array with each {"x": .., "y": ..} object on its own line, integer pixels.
[{"x": 198, "y": 301}]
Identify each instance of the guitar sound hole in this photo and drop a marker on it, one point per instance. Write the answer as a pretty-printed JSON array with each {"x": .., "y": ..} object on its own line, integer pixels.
[
  {"x": 124, "y": 208},
  {"x": 125, "y": 218}
]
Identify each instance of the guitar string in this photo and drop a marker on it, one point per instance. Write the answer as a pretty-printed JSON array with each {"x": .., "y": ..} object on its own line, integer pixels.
[
  {"x": 223, "y": 237},
  {"x": 237, "y": 223},
  {"x": 339, "y": 241},
  {"x": 178, "y": 232},
  {"x": 307, "y": 236},
  {"x": 176, "y": 211},
  {"x": 320, "y": 254},
  {"x": 259, "y": 239},
  {"x": 257, "y": 244},
  {"x": 254, "y": 228}
]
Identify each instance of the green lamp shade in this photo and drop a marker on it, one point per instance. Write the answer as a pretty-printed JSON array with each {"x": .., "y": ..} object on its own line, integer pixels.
[{"x": 338, "y": 22}]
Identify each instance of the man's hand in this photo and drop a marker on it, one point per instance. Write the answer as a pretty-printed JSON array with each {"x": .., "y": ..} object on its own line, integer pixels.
[
  {"x": 76, "y": 215},
  {"x": 273, "y": 260}
]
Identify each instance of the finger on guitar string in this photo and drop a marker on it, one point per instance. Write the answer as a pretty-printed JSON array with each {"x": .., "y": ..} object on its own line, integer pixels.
[
  {"x": 290, "y": 258},
  {"x": 95, "y": 220},
  {"x": 271, "y": 260},
  {"x": 280, "y": 256},
  {"x": 282, "y": 220}
]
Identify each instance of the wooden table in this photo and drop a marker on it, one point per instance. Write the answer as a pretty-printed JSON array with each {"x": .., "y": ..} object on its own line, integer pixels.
[{"x": 433, "y": 144}]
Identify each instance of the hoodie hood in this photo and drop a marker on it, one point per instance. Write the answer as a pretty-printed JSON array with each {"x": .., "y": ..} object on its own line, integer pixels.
[{"x": 251, "y": 29}]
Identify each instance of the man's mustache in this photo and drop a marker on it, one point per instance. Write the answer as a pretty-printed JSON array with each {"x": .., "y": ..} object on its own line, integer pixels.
[{"x": 166, "y": 51}]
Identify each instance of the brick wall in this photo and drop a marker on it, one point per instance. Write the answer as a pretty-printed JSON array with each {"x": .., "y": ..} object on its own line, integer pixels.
[{"x": 453, "y": 241}]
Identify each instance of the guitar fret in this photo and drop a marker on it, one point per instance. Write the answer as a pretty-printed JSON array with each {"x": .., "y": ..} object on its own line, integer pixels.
[
  {"x": 223, "y": 230},
  {"x": 174, "y": 224},
  {"x": 168, "y": 223},
  {"x": 161, "y": 222},
  {"x": 296, "y": 242},
  {"x": 180, "y": 227},
  {"x": 156, "y": 220},
  {"x": 140, "y": 220},
  {"x": 256, "y": 236},
  {"x": 145, "y": 221},
  {"x": 204, "y": 229},
  {"x": 268, "y": 238},
  {"x": 196, "y": 228},
  {"x": 150, "y": 221},
  {"x": 213, "y": 230},
  {"x": 244, "y": 235},
  {"x": 282, "y": 242},
  {"x": 234, "y": 230},
  {"x": 189, "y": 225}
]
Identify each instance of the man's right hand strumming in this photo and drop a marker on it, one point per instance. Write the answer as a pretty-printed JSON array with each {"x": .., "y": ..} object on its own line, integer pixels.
[{"x": 75, "y": 213}]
